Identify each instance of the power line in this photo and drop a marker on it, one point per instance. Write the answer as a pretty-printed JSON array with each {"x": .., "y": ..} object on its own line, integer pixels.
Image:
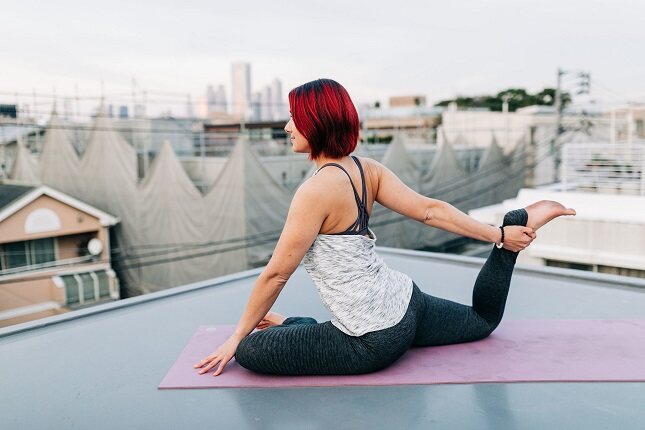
[{"x": 270, "y": 239}]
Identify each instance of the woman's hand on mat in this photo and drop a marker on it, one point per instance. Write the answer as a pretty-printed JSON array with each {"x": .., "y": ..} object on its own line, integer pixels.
[
  {"x": 517, "y": 237},
  {"x": 223, "y": 355}
]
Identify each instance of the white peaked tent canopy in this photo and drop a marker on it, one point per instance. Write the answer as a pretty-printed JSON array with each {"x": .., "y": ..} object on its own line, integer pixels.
[
  {"x": 59, "y": 163},
  {"x": 25, "y": 166},
  {"x": 517, "y": 163},
  {"x": 398, "y": 159},
  {"x": 445, "y": 177},
  {"x": 488, "y": 181},
  {"x": 391, "y": 228},
  {"x": 245, "y": 209},
  {"x": 109, "y": 182},
  {"x": 172, "y": 224},
  {"x": 445, "y": 180}
]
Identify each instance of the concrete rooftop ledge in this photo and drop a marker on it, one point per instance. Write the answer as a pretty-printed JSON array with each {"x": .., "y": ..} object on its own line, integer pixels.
[{"x": 592, "y": 278}]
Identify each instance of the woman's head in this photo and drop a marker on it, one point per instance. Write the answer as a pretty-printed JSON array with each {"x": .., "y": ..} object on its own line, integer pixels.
[{"x": 324, "y": 121}]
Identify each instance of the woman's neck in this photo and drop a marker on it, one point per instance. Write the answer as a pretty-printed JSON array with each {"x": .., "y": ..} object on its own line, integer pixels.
[{"x": 322, "y": 160}]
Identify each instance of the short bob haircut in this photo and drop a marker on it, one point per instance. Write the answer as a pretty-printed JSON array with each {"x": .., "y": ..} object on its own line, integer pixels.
[{"x": 324, "y": 114}]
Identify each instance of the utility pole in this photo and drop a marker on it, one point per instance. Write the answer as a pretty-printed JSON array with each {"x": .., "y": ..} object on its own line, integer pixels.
[
  {"x": 583, "y": 85},
  {"x": 555, "y": 151}
]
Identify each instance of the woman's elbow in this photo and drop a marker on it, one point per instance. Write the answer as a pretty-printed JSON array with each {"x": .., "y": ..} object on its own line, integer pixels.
[
  {"x": 273, "y": 278},
  {"x": 431, "y": 211}
]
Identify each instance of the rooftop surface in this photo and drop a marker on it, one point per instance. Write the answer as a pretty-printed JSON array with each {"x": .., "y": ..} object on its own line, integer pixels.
[
  {"x": 10, "y": 193},
  {"x": 100, "y": 367}
]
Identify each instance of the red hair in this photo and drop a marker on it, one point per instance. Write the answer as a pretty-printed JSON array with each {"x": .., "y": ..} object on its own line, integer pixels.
[{"x": 325, "y": 115}]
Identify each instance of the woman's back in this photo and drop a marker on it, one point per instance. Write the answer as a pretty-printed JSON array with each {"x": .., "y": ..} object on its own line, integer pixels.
[
  {"x": 354, "y": 283},
  {"x": 347, "y": 185}
]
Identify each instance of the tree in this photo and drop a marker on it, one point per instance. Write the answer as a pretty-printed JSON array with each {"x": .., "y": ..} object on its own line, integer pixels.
[{"x": 516, "y": 98}]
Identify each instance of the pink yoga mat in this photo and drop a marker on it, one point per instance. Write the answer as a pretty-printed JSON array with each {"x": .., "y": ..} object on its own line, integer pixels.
[{"x": 518, "y": 351}]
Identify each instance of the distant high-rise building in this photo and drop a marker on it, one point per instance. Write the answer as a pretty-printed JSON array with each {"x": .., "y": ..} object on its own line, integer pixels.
[
  {"x": 279, "y": 107},
  {"x": 256, "y": 107},
  {"x": 241, "y": 89},
  {"x": 266, "y": 104},
  {"x": 123, "y": 112},
  {"x": 210, "y": 97},
  {"x": 216, "y": 99},
  {"x": 139, "y": 110},
  {"x": 189, "y": 107}
]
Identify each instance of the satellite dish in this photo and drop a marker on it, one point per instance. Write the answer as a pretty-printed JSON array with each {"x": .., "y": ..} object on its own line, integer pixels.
[{"x": 95, "y": 246}]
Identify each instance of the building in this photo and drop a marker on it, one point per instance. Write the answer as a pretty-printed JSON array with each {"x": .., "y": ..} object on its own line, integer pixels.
[
  {"x": 380, "y": 124},
  {"x": 115, "y": 355},
  {"x": 605, "y": 184},
  {"x": 241, "y": 89},
  {"x": 407, "y": 101},
  {"x": 278, "y": 105},
  {"x": 216, "y": 100},
  {"x": 8, "y": 111},
  {"x": 54, "y": 254}
]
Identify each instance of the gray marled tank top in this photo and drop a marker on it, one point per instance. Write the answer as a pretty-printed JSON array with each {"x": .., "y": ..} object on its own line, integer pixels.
[{"x": 359, "y": 290}]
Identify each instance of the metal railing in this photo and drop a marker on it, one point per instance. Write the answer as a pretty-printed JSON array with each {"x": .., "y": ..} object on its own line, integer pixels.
[{"x": 612, "y": 168}]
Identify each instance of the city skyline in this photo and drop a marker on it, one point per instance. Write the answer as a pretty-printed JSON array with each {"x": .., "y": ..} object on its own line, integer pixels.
[{"x": 375, "y": 49}]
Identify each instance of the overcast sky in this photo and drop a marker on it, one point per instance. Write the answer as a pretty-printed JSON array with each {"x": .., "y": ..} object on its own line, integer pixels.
[{"x": 374, "y": 48}]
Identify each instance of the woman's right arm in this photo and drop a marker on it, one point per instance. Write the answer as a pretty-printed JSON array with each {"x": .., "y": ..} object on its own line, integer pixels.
[
  {"x": 395, "y": 195},
  {"x": 306, "y": 214}
]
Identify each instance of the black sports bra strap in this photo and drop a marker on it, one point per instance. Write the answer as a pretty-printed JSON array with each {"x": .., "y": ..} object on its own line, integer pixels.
[
  {"x": 356, "y": 196},
  {"x": 364, "y": 187}
]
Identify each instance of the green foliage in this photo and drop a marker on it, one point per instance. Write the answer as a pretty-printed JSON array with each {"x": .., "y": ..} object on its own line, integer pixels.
[{"x": 516, "y": 97}]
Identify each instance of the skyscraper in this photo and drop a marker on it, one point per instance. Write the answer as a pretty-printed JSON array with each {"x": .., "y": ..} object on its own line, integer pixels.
[
  {"x": 216, "y": 99},
  {"x": 241, "y": 89},
  {"x": 278, "y": 107},
  {"x": 266, "y": 103}
]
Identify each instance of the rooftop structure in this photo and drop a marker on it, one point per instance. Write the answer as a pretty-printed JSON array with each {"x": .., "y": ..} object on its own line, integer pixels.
[
  {"x": 54, "y": 254},
  {"x": 100, "y": 367}
]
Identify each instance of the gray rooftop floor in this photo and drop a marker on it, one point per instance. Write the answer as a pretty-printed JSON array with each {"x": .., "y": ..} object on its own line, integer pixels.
[{"x": 100, "y": 367}]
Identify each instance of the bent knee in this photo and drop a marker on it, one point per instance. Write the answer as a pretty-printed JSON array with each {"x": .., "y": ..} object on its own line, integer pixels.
[
  {"x": 487, "y": 331},
  {"x": 244, "y": 354}
]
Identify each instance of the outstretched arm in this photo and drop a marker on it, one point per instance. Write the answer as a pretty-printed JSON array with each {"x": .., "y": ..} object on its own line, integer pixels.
[
  {"x": 306, "y": 215},
  {"x": 395, "y": 195}
]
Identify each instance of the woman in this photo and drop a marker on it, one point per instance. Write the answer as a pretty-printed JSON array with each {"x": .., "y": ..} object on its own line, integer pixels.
[{"x": 377, "y": 313}]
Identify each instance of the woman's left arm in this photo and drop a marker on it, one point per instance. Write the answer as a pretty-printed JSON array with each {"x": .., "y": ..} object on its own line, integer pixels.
[
  {"x": 306, "y": 215},
  {"x": 394, "y": 194},
  {"x": 445, "y": 216}
]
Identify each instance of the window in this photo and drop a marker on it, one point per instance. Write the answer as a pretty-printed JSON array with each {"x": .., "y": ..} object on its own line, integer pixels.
[
  {"x": 42, "y": 250},
  {"x": 15, "y": 254},
  {"x": 87, "y": 287},
  {"x": 104, "y": 283},
  {"x": 640, "y": 128},
  {"x": 569, "y": 265},
  {"x": 27, "y": 253}
]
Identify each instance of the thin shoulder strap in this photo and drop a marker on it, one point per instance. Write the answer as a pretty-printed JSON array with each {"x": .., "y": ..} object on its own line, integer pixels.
[
  {"x": 356, "y": 196},
  {"x": 363, "y": 186}
]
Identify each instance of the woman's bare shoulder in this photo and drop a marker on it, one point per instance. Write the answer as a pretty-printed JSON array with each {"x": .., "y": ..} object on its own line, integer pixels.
[
  {"x": 370, "y": 165},
  {"x": 313, "y": 188},
  {"x": 372, "y": 169}
]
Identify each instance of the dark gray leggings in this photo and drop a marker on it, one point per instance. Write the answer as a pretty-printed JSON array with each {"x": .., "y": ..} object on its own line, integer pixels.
[{"x": 301, "y": 346}]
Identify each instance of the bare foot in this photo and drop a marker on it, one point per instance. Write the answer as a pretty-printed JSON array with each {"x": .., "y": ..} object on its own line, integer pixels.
[
  {"x": 544, "y": 211},
  {"x": 271, "y": 319}
]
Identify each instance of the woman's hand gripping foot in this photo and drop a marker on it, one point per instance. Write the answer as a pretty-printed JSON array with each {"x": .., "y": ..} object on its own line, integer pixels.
[
  {"x": 539, "y": 213},
  {"x": 544, "y": 211}
]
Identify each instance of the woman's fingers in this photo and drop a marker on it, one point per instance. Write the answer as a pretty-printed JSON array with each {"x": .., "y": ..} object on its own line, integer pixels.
[
  {"x": 210, "y": 365},
  {"x": 221, "y": 366},
  {"x": 204, "y": 361}
]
